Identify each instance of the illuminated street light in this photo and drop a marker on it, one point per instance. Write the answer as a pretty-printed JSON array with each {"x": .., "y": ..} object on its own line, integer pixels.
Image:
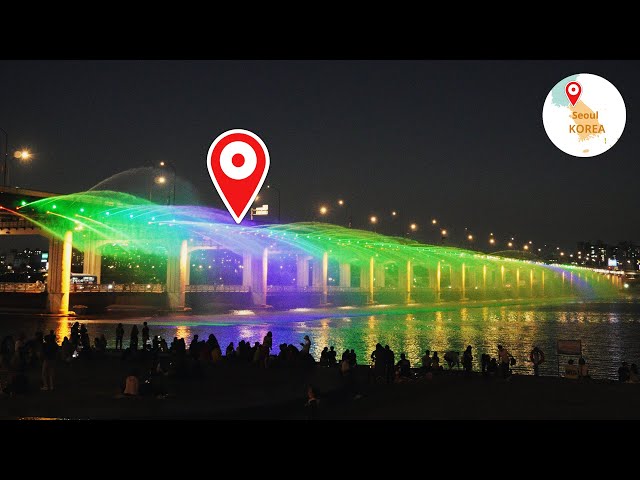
[
  {"x": 443, "y": 232},
  {"x": 394, "y": 213},
  {"x": 562, "y": 254},
  {"x": 469, "y": 237},
  {"x": 526, "y": 247},
  {"x": 347, "y": 211},
  {"x": 413, "y": 227},
  {"x": 510, "y": 244},
  {"x": 434, "y": 221},
  {"x": 492, "y": 241},
  {"x": 161, "y": 180},
  {"x": 373, "y": 219},
  {"x": 22, "y": 154},
  {"x": 323, "y": 210}
]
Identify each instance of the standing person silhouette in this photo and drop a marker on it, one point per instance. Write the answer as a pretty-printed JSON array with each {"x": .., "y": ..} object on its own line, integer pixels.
[
  {"x": 467, "y": 360},
  {"x": 133, "y": 342},
  {"x": 145, "y": 335},
  {"x": 119, "y": 336},
  {"x": 537, "y": 357}
]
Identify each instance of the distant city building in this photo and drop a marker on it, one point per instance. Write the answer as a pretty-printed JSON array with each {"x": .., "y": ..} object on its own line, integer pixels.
[{"x": 623, "y": 256}]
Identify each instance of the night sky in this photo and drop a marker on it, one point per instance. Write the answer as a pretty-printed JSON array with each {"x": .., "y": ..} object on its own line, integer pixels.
[{"x": 460, "y": 140}]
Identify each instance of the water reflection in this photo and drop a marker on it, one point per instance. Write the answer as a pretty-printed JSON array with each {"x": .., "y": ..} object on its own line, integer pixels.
[{"x": 608, "y": 332}]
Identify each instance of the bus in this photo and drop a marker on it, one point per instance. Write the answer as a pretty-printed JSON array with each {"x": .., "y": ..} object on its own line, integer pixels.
[{"x": 83, "y": 279}]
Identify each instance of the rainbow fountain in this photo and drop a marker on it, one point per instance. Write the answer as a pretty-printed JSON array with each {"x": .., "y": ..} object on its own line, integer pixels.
[{"x": 331, "y": 264}]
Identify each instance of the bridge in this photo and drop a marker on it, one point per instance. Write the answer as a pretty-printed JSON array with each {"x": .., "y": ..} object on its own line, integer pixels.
[{"x": 365, "y": 267}]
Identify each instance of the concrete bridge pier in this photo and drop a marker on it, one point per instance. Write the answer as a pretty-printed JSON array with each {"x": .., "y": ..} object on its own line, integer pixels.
[
  {"x": 92, "y": 264},
  {"x": 366, "y": 279},
  {"x": 177, "y": 272},
  {"x": 320, "y": 277},
  {"x": 59, "y": 278},
  {"x": 254, "y": 275},
  {"x": 345, "y": 274},
  {"x": 405, "y": 277}
]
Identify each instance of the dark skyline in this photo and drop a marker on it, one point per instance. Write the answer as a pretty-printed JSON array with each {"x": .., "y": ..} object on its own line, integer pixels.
[{"x": 459, "y": 140}]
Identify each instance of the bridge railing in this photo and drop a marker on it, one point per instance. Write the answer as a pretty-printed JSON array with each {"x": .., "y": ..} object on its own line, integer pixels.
[
  {"x": 217, "y": 288},
  {"x": 10, "y": 221},
  {"x": 118, "y": 288},
  {"x": 14, "y": 287}
]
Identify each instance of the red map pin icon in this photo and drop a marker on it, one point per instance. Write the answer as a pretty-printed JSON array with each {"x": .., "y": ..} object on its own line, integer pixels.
[
  {"x": 573, "y": 91},
  {"x": 238, "y": 162}
]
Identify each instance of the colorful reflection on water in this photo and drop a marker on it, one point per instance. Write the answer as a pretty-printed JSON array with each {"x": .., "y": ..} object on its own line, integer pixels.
[{"x": 609, "y": 331}]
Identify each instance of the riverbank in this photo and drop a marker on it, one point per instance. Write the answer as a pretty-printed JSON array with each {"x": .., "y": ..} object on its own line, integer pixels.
[{"x": 92, "y": 390}]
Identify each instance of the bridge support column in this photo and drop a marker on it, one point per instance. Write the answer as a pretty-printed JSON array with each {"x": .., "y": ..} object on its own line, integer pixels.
[
  {"x": 59, "y": 277},
  {"x": 345, "y": 275},
  {"x": 254, "y": 275},
  {"x": 177, "y": 272},
  {"x": 434, "y": 281},
  {"x": 484, "y": 279},
  {"x": 302, "y": 271},
  {"x": 463, "y": 282},
  {"x": 92, "y": 264},
  {"x": 366, "y": 279},
  {"x": 320, "y": 277},
  {"x": 531, "y": 281},
  {"x": 405, "y": 275}
]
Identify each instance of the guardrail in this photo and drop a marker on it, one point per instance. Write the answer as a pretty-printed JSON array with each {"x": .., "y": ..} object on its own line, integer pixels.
[
  {"x": 11, "y": 287},
  {"x": 118, "y": 288},
  {"x": 217, "y": 288}
]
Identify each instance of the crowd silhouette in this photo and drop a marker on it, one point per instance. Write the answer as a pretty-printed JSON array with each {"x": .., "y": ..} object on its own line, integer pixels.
[{"x": 159, "y": 359}]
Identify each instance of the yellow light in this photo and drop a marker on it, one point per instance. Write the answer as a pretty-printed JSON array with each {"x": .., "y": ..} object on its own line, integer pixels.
[
  {"x": 22, "y": 154},
  {"x": 257, "y": 198},
  {"x": 161, "y": 179},
  {"x": 526, "y": 247},
  {"x": 162, "y": 164},
  {"x": 470, "y": 237},
  {"x": 434, "y": 221},
  {"x": 562, "y": 254},
  {"x": 374, "y": 219},
  {"x": 413, "y": 227},
  {"x": 394, "y": 213},
  {"x": 510, "y": 244},
  {"x": 443, "y": 232},
  {"x": 340, "y": 202},
  {"x": 492, "y": 241},
  {"x": 323, "y": 210}
]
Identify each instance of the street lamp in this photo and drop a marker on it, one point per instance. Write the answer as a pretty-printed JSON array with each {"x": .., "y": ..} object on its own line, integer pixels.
[
  {"x": 323, "y": 210},
  {"x": 413, "y": 227},
  {"x": 22, "y": 154},
  {"x": 271, "y": 187},
  {"x": 173, "y": 169},
  {"x": 347, "y": 212}
]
